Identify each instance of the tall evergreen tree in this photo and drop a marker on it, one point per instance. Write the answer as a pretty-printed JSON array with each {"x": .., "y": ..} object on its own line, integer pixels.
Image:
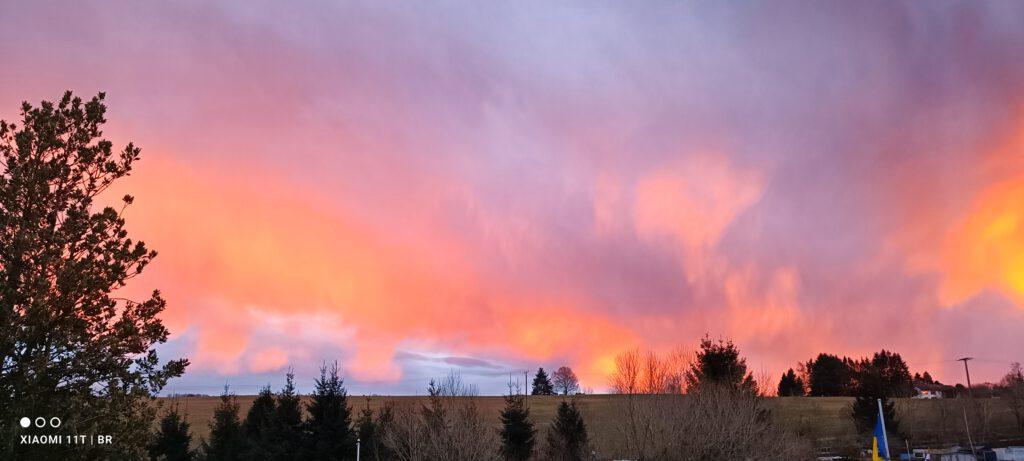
[
  {"x": 288, "y": 421},
  {"x": 258, "y": 426},
  {"x": 830, "y": 376},
  {"x": 871, "y": 387},
  {"x": 541, "y": 383},
  {"x": 894, "y": 373},
  {"x": 719, "y": 363},
  {"x": 790, "y": 385},
  {"x": 329, "y": 431},
  {"x": 517, "y": 432},
  {"x": 567, "y": 438},
  {"x": 227, "y": 442},
  {"x": 69, "y": 345},
  {"x": 172, "y": 441}
]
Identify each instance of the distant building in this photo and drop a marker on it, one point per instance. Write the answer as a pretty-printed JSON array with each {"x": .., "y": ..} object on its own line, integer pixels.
[{"x": 923, "y": 390}]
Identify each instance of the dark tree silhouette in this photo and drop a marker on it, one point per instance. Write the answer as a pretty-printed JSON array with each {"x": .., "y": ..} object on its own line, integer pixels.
[
  {"x": 791, "y": 385},
  {"x": 517, "y": 432},
  {"x": 565, "y": 381},
  {"x": 227, "y": 442},
  {"x": 371, "y": 432},
  {"x": 288, "y": 422},
  {"x": 894, "y": 373},
  {"x": 330, "y": 419},
  {"x": 172, "y": 441},
  {"x": 258, "y": 426},
  {"x": 69, "y": 347},
  {"x": 830, "y": 376},
  {"x": 871, "y": 386},
  {"x": 1013, "y": 392},
  {"x": 718, "y": 363},
  {"x": 567, "y": 438},
  {"x": 541, "y": 383}
]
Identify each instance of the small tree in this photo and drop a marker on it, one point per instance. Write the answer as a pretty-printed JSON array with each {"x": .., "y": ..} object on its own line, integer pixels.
[
  {"x": 517, "y": 432},
  {"x": 258, "y": 426},
  {"x": 288, "y": 421},
  {"x": 567, "y": 438},
  {"x": 565, "y": 381},
  {"x": 330, "y": 418},
  {"x": 227, "y": 442},
  {"x": 371, "y": 432},
  {"x": 541, "y": 383},
  {"x": 172, "y": 441},
  {"x": 791, "y": 385},
  {"x": 719, "y": 363}
]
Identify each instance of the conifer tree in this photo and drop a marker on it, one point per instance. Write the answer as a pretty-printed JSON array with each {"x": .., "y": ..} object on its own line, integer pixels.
[
  {"x": 227, "y": 443},
  {"x": 371, "y": 431},
  {"x": 366, "y": 430},
  {"x": 719, "y": 363},
  {"x": 567, "y": 437},
  {"x": 288, "y": 422},
  {"x": 328, "y": 429},
  {"x": 172, "y": 441},
  {"x": 258, "y": 426},
  {"x": 871, "y": 387},
  {"x": 71, "y": 344},
  {"x": 541, "y": 383},
  {"x": 791, "y": 385},
  {"x": 517, "y": 432}
]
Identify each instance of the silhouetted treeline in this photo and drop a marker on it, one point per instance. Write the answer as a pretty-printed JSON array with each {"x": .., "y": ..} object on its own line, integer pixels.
[
  {"x": 447, "y": 427},
  {"x": 828, "y": 375}
]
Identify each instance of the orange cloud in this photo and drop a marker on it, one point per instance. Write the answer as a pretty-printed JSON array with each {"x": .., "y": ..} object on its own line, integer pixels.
[
  {"x": 986, "y": 248},
  {"x": 694, "y": 201},
  {"x": 239, "y": 251}
]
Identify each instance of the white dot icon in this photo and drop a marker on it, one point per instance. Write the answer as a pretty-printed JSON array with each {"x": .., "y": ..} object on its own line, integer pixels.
[{"x": 25, "y": 422}]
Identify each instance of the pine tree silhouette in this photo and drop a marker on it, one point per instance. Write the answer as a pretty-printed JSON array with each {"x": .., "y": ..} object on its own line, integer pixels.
[
  {"x": 329, "y": 428},
  {"x": 227, "y": 442},
  {"x": 541, "y": 383},
  {"x": 517, "y": 432},
  {"x": 567, "y": 437},
  {"x": 258, "y": 426},
  {"x": 172, "y": 440},
  {"x": 288, "y": 422}
]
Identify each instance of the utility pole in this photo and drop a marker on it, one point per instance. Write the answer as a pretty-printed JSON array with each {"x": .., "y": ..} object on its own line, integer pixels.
[{"x": 966, "y": 370}]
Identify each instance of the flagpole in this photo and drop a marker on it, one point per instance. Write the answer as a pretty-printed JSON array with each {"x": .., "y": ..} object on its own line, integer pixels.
[{"x": 885, "y": 434}]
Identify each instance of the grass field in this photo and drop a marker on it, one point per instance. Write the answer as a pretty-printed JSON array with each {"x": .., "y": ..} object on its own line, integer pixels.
[{"x": 824, "y": 419}]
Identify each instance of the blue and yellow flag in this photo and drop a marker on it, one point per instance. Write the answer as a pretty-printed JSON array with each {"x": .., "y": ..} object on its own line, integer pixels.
[{"x": 879, "y": 443}]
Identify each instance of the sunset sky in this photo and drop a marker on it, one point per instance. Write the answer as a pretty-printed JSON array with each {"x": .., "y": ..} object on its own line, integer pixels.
[{"x": 412, "y": 188}]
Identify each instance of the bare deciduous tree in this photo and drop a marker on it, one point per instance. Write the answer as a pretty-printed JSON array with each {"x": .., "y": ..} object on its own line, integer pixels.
[
  {"x": 1013, "y": 385},
  {"x": 720, "y": 422},
  {"x": 448, "y": 427},
  {"x": 565, "y": 381}
]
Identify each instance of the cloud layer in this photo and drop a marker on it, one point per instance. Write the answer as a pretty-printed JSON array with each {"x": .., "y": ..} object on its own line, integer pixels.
[{"x": 491, "y": 188}]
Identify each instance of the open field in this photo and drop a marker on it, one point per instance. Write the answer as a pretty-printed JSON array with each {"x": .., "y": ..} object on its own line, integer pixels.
[{"x": 823, "y": 419}]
